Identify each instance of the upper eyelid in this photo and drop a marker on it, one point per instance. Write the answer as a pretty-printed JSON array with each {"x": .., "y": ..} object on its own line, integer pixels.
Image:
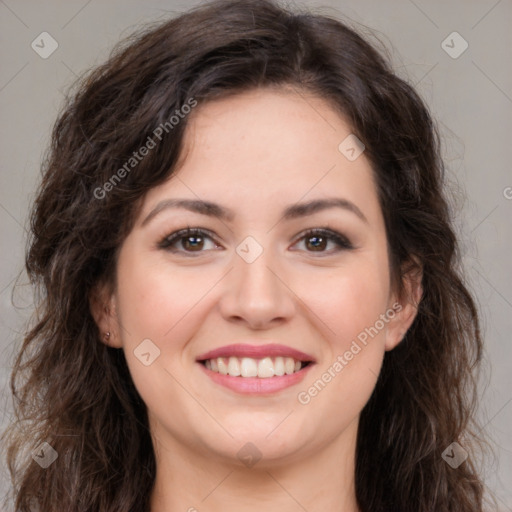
[{"x": 188, "y": 231}]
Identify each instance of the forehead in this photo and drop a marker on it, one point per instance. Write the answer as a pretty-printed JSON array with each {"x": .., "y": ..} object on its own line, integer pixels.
[
  {"x": 277, "y": 126},
  {"x": 266, "y": 147}
]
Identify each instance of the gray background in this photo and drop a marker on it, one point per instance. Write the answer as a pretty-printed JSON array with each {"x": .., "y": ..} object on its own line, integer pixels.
[{"x": 470, "y": 96}]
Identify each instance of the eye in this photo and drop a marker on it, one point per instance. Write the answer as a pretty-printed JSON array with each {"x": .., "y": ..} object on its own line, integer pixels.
[
  {"x": 319, "y": 239},
  {"x": 189, "y": 240}
]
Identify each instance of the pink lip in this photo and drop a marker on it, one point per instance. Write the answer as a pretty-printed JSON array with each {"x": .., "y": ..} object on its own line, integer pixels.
[
  {"x": 256, "y": 352},
  {"x": 256, "y": 385}
]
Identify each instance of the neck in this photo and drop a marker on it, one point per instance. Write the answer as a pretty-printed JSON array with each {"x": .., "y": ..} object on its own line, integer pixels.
[{"x": 193, "y": 481}]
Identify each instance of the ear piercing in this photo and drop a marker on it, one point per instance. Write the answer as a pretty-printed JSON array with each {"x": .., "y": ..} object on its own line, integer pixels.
[{"x": 107, "y": 336}]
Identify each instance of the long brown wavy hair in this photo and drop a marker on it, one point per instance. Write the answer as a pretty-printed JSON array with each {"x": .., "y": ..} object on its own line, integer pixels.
[{"x": 74, "y": 392}]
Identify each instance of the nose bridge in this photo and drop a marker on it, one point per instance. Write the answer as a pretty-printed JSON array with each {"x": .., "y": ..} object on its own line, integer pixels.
[
  {"x": 255, "y": 289},
  {"x": 256, "y": 278}
]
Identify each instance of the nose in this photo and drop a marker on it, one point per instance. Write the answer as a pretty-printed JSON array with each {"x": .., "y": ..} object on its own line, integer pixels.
[{"x": 256, "y": 294}]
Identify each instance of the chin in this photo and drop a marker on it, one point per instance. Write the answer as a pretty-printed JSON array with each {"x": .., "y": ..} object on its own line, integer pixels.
[{"x": 254, "y": 445}]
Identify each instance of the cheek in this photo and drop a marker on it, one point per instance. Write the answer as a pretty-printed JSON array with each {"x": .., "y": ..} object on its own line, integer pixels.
[
  {"x": 155, "y": 301},
  {"x": 349, "y": 304},
  {"x": 158, "y": 303},
  {"x": 347, "y": 300}
]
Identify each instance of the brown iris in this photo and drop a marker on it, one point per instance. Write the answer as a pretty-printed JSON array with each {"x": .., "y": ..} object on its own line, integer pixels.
[
  {"x": 193, "y": 242},
  {"x": 316, "y": 243}
]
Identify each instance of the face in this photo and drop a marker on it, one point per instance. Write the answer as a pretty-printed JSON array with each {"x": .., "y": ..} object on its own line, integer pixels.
[{"x": 286, "y": 259}]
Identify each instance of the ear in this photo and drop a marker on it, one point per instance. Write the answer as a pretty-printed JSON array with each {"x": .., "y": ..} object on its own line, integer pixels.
[
  {"x": 103, "y": 309},
  {"x": 406, "y": 304}
]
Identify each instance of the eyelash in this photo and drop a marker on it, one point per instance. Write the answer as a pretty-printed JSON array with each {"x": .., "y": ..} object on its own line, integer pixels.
[{"x": 167, "y": 242}]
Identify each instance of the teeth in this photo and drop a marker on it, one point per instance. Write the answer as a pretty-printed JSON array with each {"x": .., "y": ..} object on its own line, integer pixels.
[
  {"x": 249, "y": 367},
  {"x": 279, "y": 366},
  {"x": 289, "y": 365},
  {"x": 223, "y": 367},
  {"x": 266, "y": 368},
  {"x": 234, "y": 366}
]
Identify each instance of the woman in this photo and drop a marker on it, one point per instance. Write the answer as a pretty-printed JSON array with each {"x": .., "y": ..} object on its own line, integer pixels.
[{"x": 251, "y": 296}]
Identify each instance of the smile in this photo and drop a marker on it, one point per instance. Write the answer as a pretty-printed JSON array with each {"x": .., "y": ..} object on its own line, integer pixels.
[
  {"x": 256, "y": 369},
  {"x": 249, "y": 367}
]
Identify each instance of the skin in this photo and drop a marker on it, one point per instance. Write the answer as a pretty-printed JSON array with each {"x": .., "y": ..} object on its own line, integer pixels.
[{"x": 256, "y": 153}]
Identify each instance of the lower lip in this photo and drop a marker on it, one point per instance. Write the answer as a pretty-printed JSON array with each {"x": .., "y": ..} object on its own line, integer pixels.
[{"x": 256, "y": 385}]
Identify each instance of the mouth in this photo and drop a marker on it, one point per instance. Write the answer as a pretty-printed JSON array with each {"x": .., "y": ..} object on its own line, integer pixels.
[
  {"x": 247, "y": 367},
  {"x": 262, "y": 361},
  {"x": 256, "y": 368}
]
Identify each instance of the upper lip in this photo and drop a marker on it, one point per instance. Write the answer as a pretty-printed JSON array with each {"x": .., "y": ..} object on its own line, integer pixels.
[{"x": 256, "y": 352}]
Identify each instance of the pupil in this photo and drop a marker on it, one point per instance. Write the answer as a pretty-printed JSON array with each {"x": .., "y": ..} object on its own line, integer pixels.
[
  {"x": 193, "y": 242},
  {"x": 317, "y": 242}
]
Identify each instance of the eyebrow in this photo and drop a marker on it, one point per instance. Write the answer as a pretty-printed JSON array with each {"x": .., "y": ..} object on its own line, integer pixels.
[{"x": 291, "y": 212}]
